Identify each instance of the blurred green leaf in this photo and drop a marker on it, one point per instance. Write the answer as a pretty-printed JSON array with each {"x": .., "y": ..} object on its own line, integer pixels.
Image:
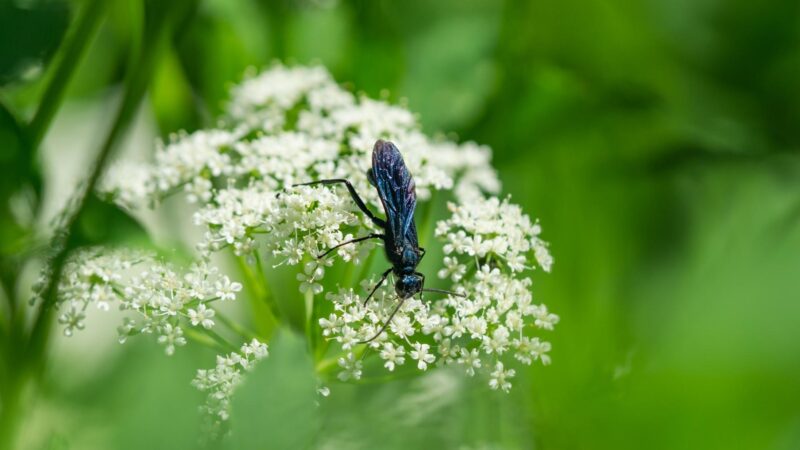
[
  {"x": 275, "y": 406},
  {"x": 450, "y": 70},
  {"x": 29, "y": 35},
  {"x": 657, "y": 143},
  {"x": 20, "y": 184},
  {"x": 172, "y": 97},
  {"x": 104, "y": 223}
]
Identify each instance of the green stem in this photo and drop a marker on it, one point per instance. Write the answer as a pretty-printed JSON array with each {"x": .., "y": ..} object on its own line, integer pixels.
[
  {"x": 220, "y": 340},
  {"x": 386, "y": 378},
  {"x": 265, "y": 312},
  {"x": 235, "y": 327},
  {"x": 12, "y": 393},
  {"x": 260, "y": 267},
  {"x": 35, "y": 349},
  {"x": 67, "y": 61},
  {"x": 30, "y": 349},
  {"x": 310, "y": 312},
  {"x": 136, "y": 85},
  {"x": 204, "y": 340}
]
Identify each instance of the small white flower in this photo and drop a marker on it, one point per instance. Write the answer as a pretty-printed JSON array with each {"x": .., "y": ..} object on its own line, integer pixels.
[
  {"x": 545, "y": 319},
  {"x": 392, "y": 355},
  {"x": 155, "y": 297},
  {"x": 308, "y": 279},
  {"x": 291, "y": 125},
  {"x": 256, "y": 349},
  {"x": 226, "y": 290},
  {"x": 171, "y": 336},
  {"x": 470, "y": 359},
  {"x": 422, "y": 356},
  {"x": 202, "y": 316},
  {"x": 221, "y": 381},
  {"x": 351, "y": 368},
  {"x": 72, "y": 320},
  {"x": 401, "y": 326},
  {"x": 500, "y": 378}
]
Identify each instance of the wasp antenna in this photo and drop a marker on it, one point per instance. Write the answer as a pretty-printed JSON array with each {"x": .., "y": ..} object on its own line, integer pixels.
[{"x": 442, "y": 291}]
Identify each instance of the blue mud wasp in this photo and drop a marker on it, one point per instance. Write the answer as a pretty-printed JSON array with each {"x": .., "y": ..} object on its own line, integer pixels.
[{"x": 395, "y": 186}]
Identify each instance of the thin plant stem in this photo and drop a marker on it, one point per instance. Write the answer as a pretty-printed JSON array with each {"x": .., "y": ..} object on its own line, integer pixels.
[
  {"x": 136, "y": 86},
  {"x": 264, "y": 285},
  {"x": 408, "y": 374},
  {"x": 310, "y": 313},
  {"x": 204, "y": 340},
  {"x": 220, "y": 340},
  {"x": 260, "y": 298},
  {"x": 235, "y": 327},
  {"x": 30, "y": 348},
  {"x": 67, "y": 61}
]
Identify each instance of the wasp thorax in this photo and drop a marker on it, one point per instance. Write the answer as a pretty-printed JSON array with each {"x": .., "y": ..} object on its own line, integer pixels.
[{"x": 410, "y": 257}]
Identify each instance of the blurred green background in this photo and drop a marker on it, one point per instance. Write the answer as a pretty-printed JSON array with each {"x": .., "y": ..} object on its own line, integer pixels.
[{"x": 658, "y": 141}]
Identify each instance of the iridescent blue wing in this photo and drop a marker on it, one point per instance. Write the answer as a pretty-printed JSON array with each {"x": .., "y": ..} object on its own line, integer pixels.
[{"x": 396, "y": 190}]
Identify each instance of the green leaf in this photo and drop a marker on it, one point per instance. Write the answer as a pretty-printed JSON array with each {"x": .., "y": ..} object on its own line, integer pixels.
[
  {"x": 275, "y": 406},
  {"x": 20, "y": 184},
  {"x": 29, "y": 36},
  {"x": 101, "y": 222}
]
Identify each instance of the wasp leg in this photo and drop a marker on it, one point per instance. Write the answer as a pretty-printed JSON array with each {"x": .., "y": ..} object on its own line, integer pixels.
[
  {"x": 380, "y": 282},
  {"x": 437, "y": 291},
  {"x": 360, "y": 203},
  {"x": 385, "y": 324},
  {"x": 351, "y": 241}
]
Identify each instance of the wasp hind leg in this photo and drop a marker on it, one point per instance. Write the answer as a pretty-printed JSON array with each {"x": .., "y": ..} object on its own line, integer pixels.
[{"x": 351, "y": 241}]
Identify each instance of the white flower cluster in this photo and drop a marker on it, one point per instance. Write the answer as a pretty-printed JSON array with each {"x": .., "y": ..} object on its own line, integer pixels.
[
  {"x": 221, "y": 381},
  {"x": 287, "y": 126},
  {"x": 162, "y": 301},
  {"x": 291, "y": 125},
  {"x": 489, "y": 244}
]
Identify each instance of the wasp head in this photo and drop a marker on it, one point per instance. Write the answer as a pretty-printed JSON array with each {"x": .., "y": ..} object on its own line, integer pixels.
[{"x": 408, "y": 285}]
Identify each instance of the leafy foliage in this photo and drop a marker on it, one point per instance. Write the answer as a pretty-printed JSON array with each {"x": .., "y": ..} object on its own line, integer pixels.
[{"x": 657, "y": 140}]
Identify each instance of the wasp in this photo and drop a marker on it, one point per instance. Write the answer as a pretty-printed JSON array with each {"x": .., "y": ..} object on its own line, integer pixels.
[{"x": 396, "y": 189}]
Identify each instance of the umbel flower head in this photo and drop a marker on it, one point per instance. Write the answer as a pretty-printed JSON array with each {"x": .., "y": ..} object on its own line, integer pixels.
[
  {"x": 489, "y": 246},
  {"x": 291, "y": 125}
]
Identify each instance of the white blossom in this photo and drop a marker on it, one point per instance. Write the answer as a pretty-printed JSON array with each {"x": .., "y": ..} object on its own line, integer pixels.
[
  {"x": 393, "y": 355},
  {"x": 351, "y": 367},
  {"x": 422, "y": 356},
  {"x": 202, "y": 316},
  {"x": 491, "y": 247},
  {"x": 222, "y": 380},
  {"x": 500, "y": 377},
  {"x": 157, "y": 299},
  {"x": 290, "y": 125}
]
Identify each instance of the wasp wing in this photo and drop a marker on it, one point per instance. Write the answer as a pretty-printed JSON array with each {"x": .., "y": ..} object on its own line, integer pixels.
[{"x": 396, "y": 190}]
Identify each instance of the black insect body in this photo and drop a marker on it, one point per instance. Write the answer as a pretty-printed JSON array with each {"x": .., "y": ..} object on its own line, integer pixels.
[{"x": 395, "y": 186}]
